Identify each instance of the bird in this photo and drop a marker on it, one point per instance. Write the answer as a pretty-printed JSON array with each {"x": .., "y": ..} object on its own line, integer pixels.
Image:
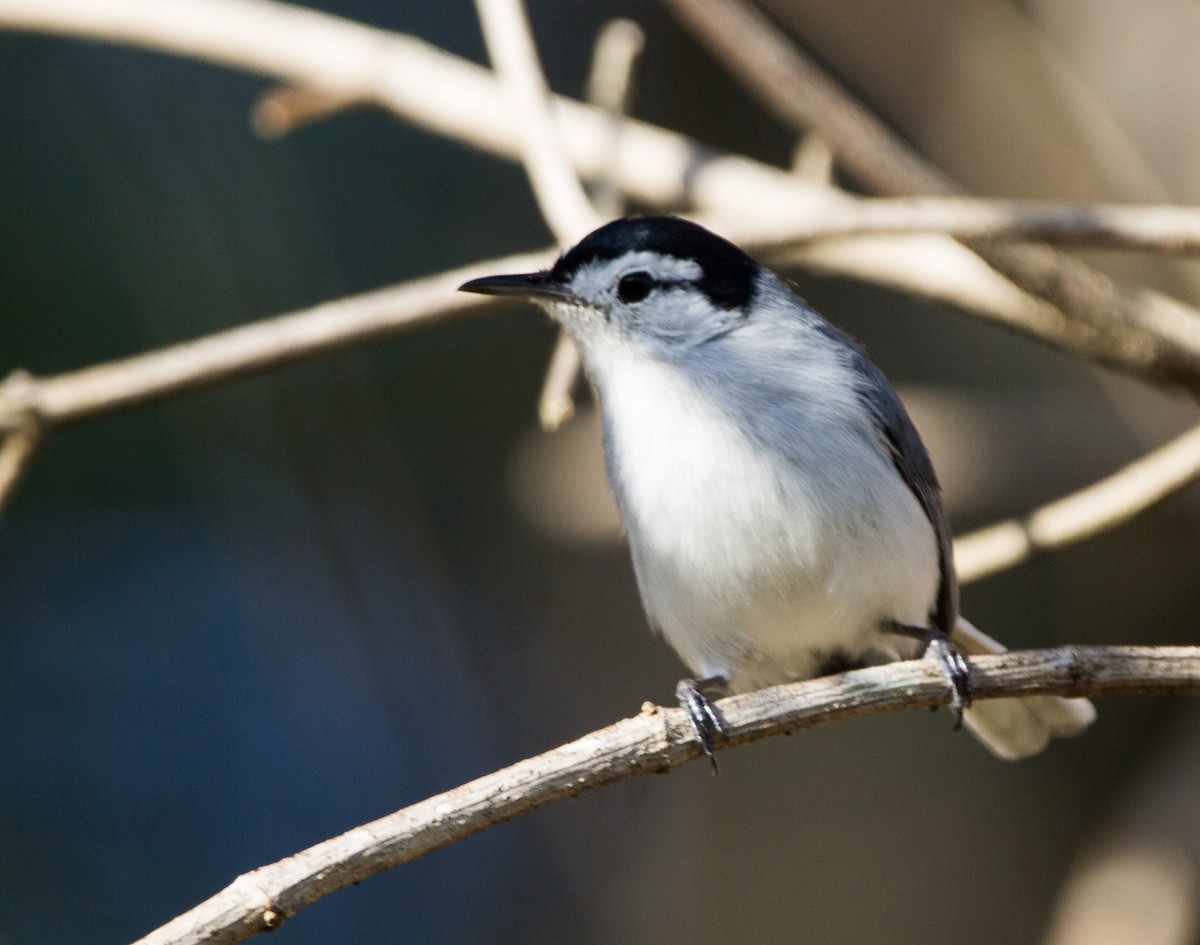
[{"x": 783, "y": 515}]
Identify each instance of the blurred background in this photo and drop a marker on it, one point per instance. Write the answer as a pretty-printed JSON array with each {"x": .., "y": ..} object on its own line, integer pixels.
[{"x": 250, "y": 618}]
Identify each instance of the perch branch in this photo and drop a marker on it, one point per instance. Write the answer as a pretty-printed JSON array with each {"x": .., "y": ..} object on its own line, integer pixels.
[
  {"x": 1100, "y": 506},
  {"x": 1139, "y": 332},
  {"x": 657, "y": 740},
  {"x": 1113, "y": 323}
]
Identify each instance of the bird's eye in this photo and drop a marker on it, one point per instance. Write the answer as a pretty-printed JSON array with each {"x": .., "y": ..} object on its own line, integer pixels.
[{"x": 635, "y": 286}]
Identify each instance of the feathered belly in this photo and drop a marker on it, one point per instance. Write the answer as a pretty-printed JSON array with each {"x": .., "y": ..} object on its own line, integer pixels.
[{"x": 748, "y": 559}]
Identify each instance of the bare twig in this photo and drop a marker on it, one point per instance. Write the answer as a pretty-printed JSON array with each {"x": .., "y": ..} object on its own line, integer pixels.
[
  {"x": 1082, "y": 514},
  {"x": 610, "y": 82},
  {"x": 617, "y": 49},
  {"x": 334, "y": 325},
  {"x": 19, "y": 445},
  {"x": 17, "y": 450},
  {"x": 813, "y": 159},
  {"x": 1111, "y": 323},
  {"x": 285, "y": 107},
  {"x": 115, "y": 385},
  {"x": 453, "y": 97},
  {"x": 1159, "y": 229},
  {"x": 803, "y": 95},
  {"x": 560, "y": 194},
  {"x": 556, "y": 403},
  {"x": 657, "y": 740}
]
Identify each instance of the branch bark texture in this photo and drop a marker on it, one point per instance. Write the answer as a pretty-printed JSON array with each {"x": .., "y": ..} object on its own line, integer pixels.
[{"x": 657, "y": 740}]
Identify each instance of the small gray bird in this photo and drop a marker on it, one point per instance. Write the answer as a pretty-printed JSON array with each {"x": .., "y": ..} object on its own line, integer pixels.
[{"x": 783, "y": 515}]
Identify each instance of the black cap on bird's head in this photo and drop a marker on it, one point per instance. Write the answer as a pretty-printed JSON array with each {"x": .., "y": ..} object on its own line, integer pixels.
[{"x": 727, "y": 272}]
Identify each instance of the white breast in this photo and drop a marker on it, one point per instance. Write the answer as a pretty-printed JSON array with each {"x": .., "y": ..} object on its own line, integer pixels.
[{"x": 749, "y": 562}]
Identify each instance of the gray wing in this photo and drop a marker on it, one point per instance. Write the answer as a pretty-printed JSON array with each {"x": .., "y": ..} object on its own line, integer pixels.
[{"x": 900, "y": 440}]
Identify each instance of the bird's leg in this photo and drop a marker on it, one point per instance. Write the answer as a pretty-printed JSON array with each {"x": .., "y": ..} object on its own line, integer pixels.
[
  {"x": 706, "y": 721},
  {"x": 953, "y": 664}
]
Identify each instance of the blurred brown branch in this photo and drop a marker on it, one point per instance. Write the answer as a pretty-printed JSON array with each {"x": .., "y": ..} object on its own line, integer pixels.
[
  {"x": 286, "y": 107},
  {"x": 657, "y": 740}
]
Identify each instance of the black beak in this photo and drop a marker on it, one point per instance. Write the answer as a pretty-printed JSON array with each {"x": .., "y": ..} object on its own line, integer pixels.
[{"x": 531, "y": 285}]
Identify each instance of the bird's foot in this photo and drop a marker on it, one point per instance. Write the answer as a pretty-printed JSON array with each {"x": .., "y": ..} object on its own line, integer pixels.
[
  {"x": 956, "y": 670},
  {"x": 706, "y": 721},
  {"x": 952, "y": 663}
]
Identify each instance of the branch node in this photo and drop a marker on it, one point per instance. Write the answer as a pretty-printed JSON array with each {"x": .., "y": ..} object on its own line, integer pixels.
[
  {"x": 19, "y": 404},
  {"x": 269, "y": 914}
]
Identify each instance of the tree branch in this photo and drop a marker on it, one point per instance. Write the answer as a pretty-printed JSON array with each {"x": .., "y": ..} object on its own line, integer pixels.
[
  {"x": 657, "y": 740},
  {"x": 226, "y": 355},
  {"x": 272, "y": 342},
  {"x": 1113, "y": 323},
  {"x": 1136, "y": 331},
  {"x": 1100, "y": 506},
  {"x": 617, "y": 48},
  {"x": 560, "y": 196},
  {"x": 18, "y": 445},
  {"x": 1161, "y": 229}
]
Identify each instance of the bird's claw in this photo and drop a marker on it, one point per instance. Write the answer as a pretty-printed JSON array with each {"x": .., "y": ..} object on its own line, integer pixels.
[
  {"x": 957, "y": 671},
  {"x": 706, "y": 721}
]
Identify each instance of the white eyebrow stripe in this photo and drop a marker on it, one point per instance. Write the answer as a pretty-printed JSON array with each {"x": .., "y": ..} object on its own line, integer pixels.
[{"x": 597, "y": 276}]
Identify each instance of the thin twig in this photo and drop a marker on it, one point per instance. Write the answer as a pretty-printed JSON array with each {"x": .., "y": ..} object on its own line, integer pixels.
[
  {"x": 17, "y": 451},
  {"x": 19, "y": 445},
  {"x": 453, "y": 97},
  {"x": 812, "y": 159},
  {"x": 1159, "y": 229},
  {"x": 334, "y": 325},
  {"x": 609, "y": 82},
  {"x": 609, "y": 88},
  {"x": 1081, "y": 514},
  {"x": 655, "y": 741},
  {"x": 272, "y": 342},
  {"x": 556, "y": 403},
  {"x": 1112, "y": 323},
  {"x": 560, "y": 194},
  {"x": 281, "y": 109}
]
